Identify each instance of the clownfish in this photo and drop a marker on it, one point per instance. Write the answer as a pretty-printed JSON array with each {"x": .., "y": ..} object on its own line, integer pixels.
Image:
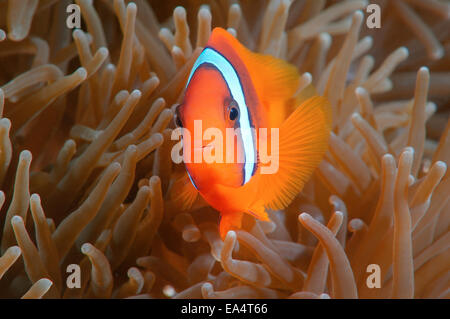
[{"x": 230, "y": 87}]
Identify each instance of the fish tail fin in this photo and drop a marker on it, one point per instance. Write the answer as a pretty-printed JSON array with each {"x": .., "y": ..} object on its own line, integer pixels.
[
  {"x": 303, "y": 141},
  {"x": 229, "y": 221}
]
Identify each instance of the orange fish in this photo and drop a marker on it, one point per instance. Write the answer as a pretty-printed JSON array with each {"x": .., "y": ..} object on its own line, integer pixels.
[{"x": 233, "y": 88}]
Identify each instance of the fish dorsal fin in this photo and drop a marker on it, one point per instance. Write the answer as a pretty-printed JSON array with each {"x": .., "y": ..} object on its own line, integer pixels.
[
  {"x": 273, "y": 79},
  {"x": 308, "y": 92},
  {"x": 303, "y": 141}
]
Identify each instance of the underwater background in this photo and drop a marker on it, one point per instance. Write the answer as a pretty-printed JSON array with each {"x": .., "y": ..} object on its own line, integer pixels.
[{"x": 86, "y": 171}]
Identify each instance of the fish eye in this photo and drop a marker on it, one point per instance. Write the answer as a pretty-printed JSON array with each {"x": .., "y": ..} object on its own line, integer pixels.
[
  {"x": 234, "y": 113},
  {"x": 231, "y": 108}
]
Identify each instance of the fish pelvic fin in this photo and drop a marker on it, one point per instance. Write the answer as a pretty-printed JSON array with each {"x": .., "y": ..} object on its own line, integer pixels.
[{"x": 229, "y": 221}]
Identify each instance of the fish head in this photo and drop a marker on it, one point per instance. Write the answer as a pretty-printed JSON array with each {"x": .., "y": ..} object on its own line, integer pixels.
[{"x": 212, "y": 142}]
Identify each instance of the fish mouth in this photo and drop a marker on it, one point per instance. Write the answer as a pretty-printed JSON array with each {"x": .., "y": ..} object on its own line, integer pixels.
[{"x": 210, "y": 145}]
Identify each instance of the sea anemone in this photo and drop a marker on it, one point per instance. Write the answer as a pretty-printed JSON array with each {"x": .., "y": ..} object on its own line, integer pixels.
[{"x": 86, "y": 173}]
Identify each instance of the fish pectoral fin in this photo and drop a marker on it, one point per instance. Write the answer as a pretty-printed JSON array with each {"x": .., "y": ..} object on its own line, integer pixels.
[
  {"x": 183, "y": 193},
  {"x": 303, "y": 141},
  {"x": 229, "y": 221},
  {"x": 199, "y": 202}
]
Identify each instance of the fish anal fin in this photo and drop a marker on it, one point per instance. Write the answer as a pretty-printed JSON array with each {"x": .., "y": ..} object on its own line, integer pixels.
[
  {"x": 258, "y": 211},
  {"x": 303, "y": 141}
]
